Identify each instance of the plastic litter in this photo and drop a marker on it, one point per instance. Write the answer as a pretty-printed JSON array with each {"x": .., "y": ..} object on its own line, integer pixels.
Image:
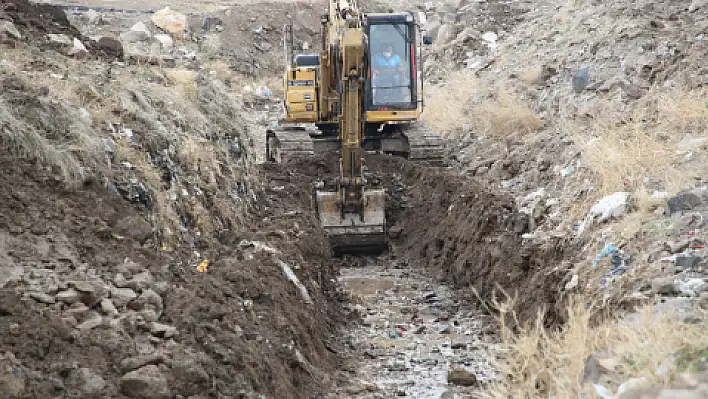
[
  {"x": 263, "y": 92},
  {"x": 610, "y": 248},
  {"x": 203, "y": 265}
]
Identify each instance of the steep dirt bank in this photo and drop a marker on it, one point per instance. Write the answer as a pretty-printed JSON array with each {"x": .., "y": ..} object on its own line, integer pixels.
[
  {"x": 83, "y": 297},
  {"x": 143, "y": 255},
  {"x": 472, "y": 237}
]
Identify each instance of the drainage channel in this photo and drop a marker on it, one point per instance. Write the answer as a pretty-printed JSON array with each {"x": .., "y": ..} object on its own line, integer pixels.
[{"x": 414, "y": 333}]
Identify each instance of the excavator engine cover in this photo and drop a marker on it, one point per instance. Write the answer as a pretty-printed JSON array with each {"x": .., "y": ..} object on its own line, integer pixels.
[{"x": 347, "y": 232}]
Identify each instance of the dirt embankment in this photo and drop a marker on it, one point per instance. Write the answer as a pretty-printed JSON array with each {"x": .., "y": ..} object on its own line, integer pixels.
[
  {"x": 93, "y": 301},
  {"x": 239, "y": 328}
]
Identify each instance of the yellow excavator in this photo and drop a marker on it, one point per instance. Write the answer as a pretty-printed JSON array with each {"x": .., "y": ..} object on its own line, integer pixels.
[{"x": 363, "y": 91}]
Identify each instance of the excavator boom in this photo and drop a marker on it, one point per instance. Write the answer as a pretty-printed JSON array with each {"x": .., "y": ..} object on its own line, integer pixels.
[{"x": 352, "y": 216}]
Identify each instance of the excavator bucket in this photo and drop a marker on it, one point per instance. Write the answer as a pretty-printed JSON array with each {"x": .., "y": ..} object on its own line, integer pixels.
[{"x": 348, "y": 233}]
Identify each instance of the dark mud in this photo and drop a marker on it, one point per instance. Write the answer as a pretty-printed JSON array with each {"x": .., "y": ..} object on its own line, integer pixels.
[{"x": 241, "y": 328}]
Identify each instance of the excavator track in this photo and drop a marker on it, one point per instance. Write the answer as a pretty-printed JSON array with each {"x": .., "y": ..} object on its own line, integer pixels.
[
  {"x": 425, "y": 145},
  {"x": 283, "y": 144}
]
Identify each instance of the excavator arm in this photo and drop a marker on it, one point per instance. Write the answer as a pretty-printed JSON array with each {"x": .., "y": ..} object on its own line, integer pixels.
[{"x": 352, "y": 216}]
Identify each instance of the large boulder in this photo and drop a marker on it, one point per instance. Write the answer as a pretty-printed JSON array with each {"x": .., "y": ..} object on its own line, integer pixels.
[
  {"x": 147, "y": 382},
  {"x": 170, "y": 21}
]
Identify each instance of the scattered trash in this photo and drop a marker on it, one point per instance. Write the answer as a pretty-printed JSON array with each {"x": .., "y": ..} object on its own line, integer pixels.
[
  {"x": 202, "y": 267},
  {"x": 572, "y": 283},
  {"x": 609, "y": 207},
  {"x": 126, "y": 134},
  {"x": 263, "y": 91},
  {"x": 610, "y": 248},
  {"x": 293, "y": 278},
  {"x": 567, "y": 171},
  {"x": 491, "y": 39}
]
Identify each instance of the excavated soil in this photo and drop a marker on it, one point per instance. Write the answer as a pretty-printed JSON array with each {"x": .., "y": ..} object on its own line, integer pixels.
[
  {"x": 242, "y": 327},
  {"x": 471, "y": 237},
  {"x": 461, "y": 232}
]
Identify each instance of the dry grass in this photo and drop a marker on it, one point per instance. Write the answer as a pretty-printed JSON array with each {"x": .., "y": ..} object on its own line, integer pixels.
[
  {"x": 623, "y": 152},
  {"x": 464, "y": 100},
  {"x": 505, "y": 116},
  {"x": 541, "y": 364},
  {"x": 185, "y": 81},
  {"x": 447, "y": 106}
]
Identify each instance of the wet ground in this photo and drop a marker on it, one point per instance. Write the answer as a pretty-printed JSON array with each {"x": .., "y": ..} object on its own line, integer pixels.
[{"x": 413, "y": 333}]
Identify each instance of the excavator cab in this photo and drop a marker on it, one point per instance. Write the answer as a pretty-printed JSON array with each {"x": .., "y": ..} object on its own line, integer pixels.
[{"x": 392, "y": 69}]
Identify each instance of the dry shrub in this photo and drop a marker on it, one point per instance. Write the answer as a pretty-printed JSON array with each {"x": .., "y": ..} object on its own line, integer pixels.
[
  {"x": 537, "y": 363},
  {"x": 446, "y": 106},
  {"x": 505, "y": 116},
  {"x": 219, "y": 69},
  {"x": 186, "y": 80},
  {"x": 622, "y": 152}
]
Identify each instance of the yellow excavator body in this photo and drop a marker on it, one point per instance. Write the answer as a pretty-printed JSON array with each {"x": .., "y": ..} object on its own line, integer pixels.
[{"x": 360, "y": 96}]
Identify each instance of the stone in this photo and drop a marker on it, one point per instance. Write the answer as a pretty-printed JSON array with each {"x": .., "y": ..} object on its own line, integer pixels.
[
  {"x": 108, "y": 308},
  {"x": 78, "y": 50},
  {"x": 60, "y": 39},
  {"x": 78, "y": 310},
  {"x": 90, "y": 383},
  {"x": 149, "y": 298},
  {"x": 446, "y": 329},
  {"x": 211, "y": 22},
  {"x": 68, "y": 296},
  {"x": 445, "y": 34},
  {"x": 82, "y": 286},
  {"x": 166, "y": 41},
  {"x": 42, "y": 297},
  {"x": 147, "y": 382},
  {"x": 9, "y": 29},
  {"x": 447, "y": 395},
  {"x": 692, "y": 287},
  {"x": 462, "y": 377},
  {"x": 12, "y": 383},
  {"x": 598, "y": 364},
  {"x": 93, "y": 320},
  {"x": 137, "y": 33},
  {"x": 140, "y": 281},
  {"x": 581, "y": 79},
  {"x": 697, "y": 4},
  {"x": 170, "y": 21},
  {"x": 189, "y": 371},
  {"x": 688, "y": 262},
  {"x": 110, "y": 46},
  {"x": 685, "y": 201},
  {"x": 92, "y": 17},
  {"x": 664, "y": 286},
  {"x": 134, "y": 363},
  {"x": 122, "y": 296},
  {"x": 134, "y": 227},
  {"x": 163, "y": 330}
]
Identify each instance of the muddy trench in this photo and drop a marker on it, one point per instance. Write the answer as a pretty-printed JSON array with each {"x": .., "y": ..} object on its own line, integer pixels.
[{"x": 417, "y": 329}]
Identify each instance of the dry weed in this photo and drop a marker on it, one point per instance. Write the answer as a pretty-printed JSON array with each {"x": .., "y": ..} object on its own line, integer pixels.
[
  {"x": 505, "y": 116},
  {"x": 538, "y": 363},
  {"x": 186, "y": 81},
  {"x": 446, "y": 106}
]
